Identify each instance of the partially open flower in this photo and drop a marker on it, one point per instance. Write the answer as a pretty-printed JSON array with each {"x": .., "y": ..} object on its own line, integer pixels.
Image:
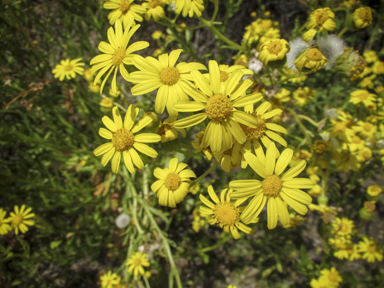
[
  {"x": 350, "y": 63},
  {"x": 362, "y": 17},
  {"x": 274, "y": 50},
  {"x": 311, "y": 60},
  {"x": 319, "y": 20}
]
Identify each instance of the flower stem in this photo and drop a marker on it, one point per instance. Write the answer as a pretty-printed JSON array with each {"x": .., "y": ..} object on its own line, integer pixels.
[{"x": 213, "y": 167}]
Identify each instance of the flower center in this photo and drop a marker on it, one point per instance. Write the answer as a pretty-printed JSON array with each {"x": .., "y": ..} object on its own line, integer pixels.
[
  {"x": 163, "y": 129},
  {"x": 223, "y": 76},
  {"x": 339, "y": 127},
  {"x": 320, "y": 147},
  {"x": 154, "y": 3},
  {"x": 68, "y": 68},
  {"x": 366, "y": 155},
  {"x": 118, "y": 56},
  {"x": 332, "y": 277},
  {"x": 124, "y": 6},
  {"x": 314, "y": 54},
  {"x": 172, "y": 181},
  {"x": 321, "y": 17},
  {"x": 369, "y": 206},
  {"x": 17, "y": 220},
  {"x": 372, "y": 249},
  {"x": 169, "y": 76},
  {"x": 226, "y": 213},
  {"x": 123, "y": 139},
  {"x": 363, "y": 95},
  {"x": 367, "y": 127},
  {"x": 272, "y": 186},
  {"x": 344, "y": 227},
  {"x": 275, "y": 47},
  {"x": 365, "y": 15},
  {"x": 137, "y": 262},
  {"x": 219, "y": 107},
  {"x": 254, "y": 134},
  {"x": 356, "y": 140}
]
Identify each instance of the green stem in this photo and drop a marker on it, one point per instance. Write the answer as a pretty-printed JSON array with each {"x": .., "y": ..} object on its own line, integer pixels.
[
  {"x": 146, "y": 282},
  {"x": 218, "y": 244},
  {"x": 210, "y": 26},
  {"x": 301, "y": 126},
  {"x": 145, "y": 182},
  {"x": 215, "y": 11},
  {"x": 342, "y": 32},
  {"x": 213, "y": 167}
]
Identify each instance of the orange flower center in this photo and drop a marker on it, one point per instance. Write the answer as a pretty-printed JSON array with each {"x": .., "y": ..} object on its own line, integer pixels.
[
  {"x": 223, "y": 76},
  {"x": 123, "y": 139},
  {"x": 219, "y": 107},
  {"x": 275, "y": 47},
  {"x": 272, "y": 186},
  {"x": 226, "y": 213},
  {"x": 169, "y": 76},
  {"x": 17, "y": 220},
  {"x": 118, "y": 56},
  {"x": 173, "y": 181},
  {"x": 124, "y": 6}
]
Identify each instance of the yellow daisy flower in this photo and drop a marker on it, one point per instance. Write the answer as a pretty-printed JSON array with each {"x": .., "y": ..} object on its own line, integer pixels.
[
  {"x": 280, "y": 98},
  {"x": 231, "y": 158},
  {"x": 355, "y": 143},
  {"x": 20, "y": 219},
  {"x": 257, "y": 28},
  {"x": 174, "y": 183},
  {"x": 189, "y": 7},
  {"x": 303, "y": 95},
  {"x": 68, "y": 69},
  {"x": 108, "y": 280},
  {"x": 264, "y": 132},
  {"x": 225, "y": 213},
  {"x": 340, "y": 127},
  {"x": 273, "y": 50},
  {"x": 116, "y": 54},
  {"x": 342, "y": 226},
  {"x": 173, "y": 82},
  {"x": 364, "y": 155},
  {"x": 310, "y": 61},
  {"x": 154, "y": 10},
  {"x": 322, "y": 282},
  {"x": 345, "y": 161},
  {"x": 123, "y": 140},
  {"x": 374, "y": 190},
  {"x": 362, "y": 17},
  {"x": 168, "y": 132},
  {"x": 136, "y": 263},
  {"x": 270, "y": 34},
  {"x": 371, "y": 250},
  {"x": 319, "y": 20},
  {"x": 106, "y": 103},
  {"x": 378, "y": 67},
  {"x": 220, "y": 107},
  {"x": 362, "y": 96},
  {"x": 370, "y": 56},
  {"x": 4, "y": 227},
  {"x": 280, "y": 191},
  {"x": 125, "y": 11},
  {"x": 333, "y": 276},
  {"x": 365, "y": 129},
  {"x": 353, "y": 252}
]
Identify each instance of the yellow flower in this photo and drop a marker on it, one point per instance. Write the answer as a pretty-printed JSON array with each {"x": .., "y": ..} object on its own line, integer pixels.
[
  {"x": 316, "y": 190},
  {"x": 174, "y": 183},
  {"x": 272, "y": 50},
  {"x": 173, "y": 82},
  {"x": 168, "y": 132},
  {"x": 226, "y": 71},
  {"x": 294, "y": 77},
  {"x": 154, "y": 10},
  {"x": 320, "y": 147},
  {"x": 257, "y": 28},
  {"x": 367, "y": 82},
  {"x": 343, "y": 226},
  {"x": 279, "y": 191},
  {"x": 225, "y": 213},
  {"x": 303, "y": 95},
  {"x": 123, "y": 140},
  {"x": 378, "y": 67},
  {"x": 4, "y": 227},
  {"x": 370, "y": 56},
  {"x": 374, "y": 190},
  {"x": 108, "y": 280},
  {"x": 220, "y": 107},
  {"x": 310, "y": 61},
  {"x": 319, "y": 20},
  {"x": 157, "y": 34},
  {"x": 116, "y": 54},
  {"x": 19, "y": 219},
  {"x": 68, "y": 69},
  {"x": 116, "y": 94},
  {"x": 125, "y": 11},
  {"x": 271, "y": 33},
  {"x": 94, "y": 88},
  {"x": 371, "y": 250},
  {"x": 136, "y": 263},
  {"x": 231, "y": 158},
  {"x": 363, "y": 96},
  {"x": 107, "y": 103},
  {"x": 362, "y": 17},
  {"x": 322, "y": 282},
  {"x": 295, "y": 220},
  {"x": 241, "y": 60},
  {"x": 370, "y": 206},
  {"x": 364, "y": 154},
  {"x": 88, "y": 75},
  {"x": 355, "y": 143},
  {"x": 189, "y": 7},
  {"x": 341, "y": 128},
  {"x": 333, "y": 276},
  {"x": 365, "y": 129},
  {"x": 345, "y": 161},
  {"x": 280, "y": 98}
]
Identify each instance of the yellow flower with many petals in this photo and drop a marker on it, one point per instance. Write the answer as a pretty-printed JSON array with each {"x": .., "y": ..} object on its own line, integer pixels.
[
  {"x": 362, "y": 17},
  {"x": 220, "y": 107},
  {"x": 303, "y": 95},
  {"x": 109, "y": 279},
  {"x": 343, "y": 226},
  {"x": 273, "y": 50},
  {"x": 189, "y": 7},
  {"x": 322, "y": 282},
  {"x": 333, "y": 276},
  {"x": 225, "y": 213},
  {"x": 173, "y": 184},
  {"x": 154, "y": 10},
  {"x": 4, "y": 226},
  {"x": 362, "y": 96},
  {"x": 278, "y": 190},
  {"x": 378, "y": 67},
  {"x": 311, "y": 60},
  {"x": 136, "y": 263},
  {"x": 370, "y": 56},
  {"x": 116, "y": 54},
  {"x": 125, "y": 11},
  {"x": 365, "y": 129},
  {"x": 20, "y": 219},
  {"x": 68, "y": 69},
  {"x": 371, "y": 250},
  {"x": 124, "y": 142},
  {"x": 173, "y": 82},
  {"x": 319, "y": 20}
]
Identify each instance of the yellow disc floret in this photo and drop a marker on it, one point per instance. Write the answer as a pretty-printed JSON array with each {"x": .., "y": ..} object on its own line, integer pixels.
[
  {"x": 254, "y": 134},
  {"x": 226, "y": 213},
  {"x": 123, "y": 139},
  {"x": 17, "y": 220},
  {"x": 219, "y": 107},
  {"x": 118, "y": 56},
  {"x": 272, "y": 186},
  {"x": 173, "y": 181},
  {"x": 124, "y": 6},
  {"x": 169, "y": 76}
]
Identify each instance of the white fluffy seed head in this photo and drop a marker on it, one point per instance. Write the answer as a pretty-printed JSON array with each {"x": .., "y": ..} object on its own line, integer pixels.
[
  {"x": 331, "y": 47},
  {"x": 297, "y": 45},
  {"x": 122, "y": 220}
]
